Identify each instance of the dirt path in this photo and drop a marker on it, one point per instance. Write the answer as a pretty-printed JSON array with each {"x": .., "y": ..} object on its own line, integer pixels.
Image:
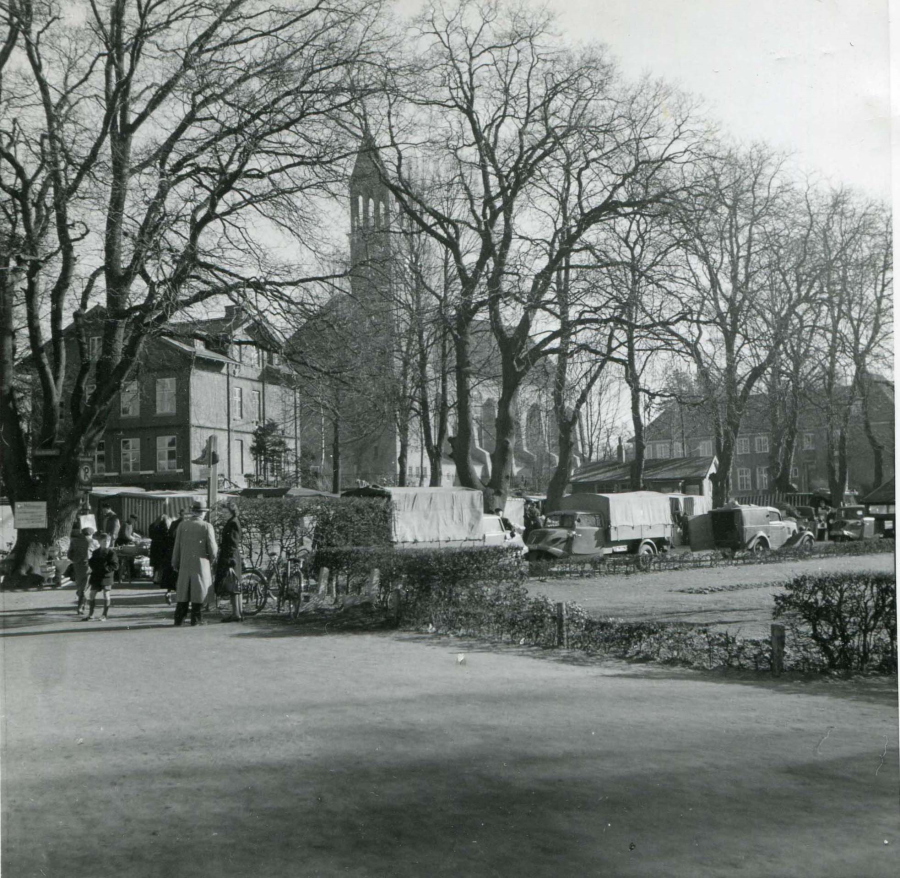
[
  {"x": 131, "y": 748},
  {"x": 668, "y": 595}
]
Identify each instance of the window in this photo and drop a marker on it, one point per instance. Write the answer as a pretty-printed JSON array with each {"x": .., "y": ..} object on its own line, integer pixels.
[
  {"x": 762, "y": 444},
  {"x": 706, "y": 448},
  {"x": 240, "y": 455},
  {"x": 677, "y": 449},
  {"x": 795, "y": 472},
  {"x": 165, "y": 396},
  {"x": 95, "y": 346},
  {"x": 256, "y": 405},
  {"x": 237, "y": 403},
  {"x": 100, "y": 458},
  {"x": 275, "y": 359},
  {"x": 131, "y": 455},
  {"x": 744, "y": 479},
  {"x": 166, "y": 453},
  {"x": 762, "y": 478},
  {"x": 662, "y": 450},
  {"x": 648, "y": 451},
  {"x": 809, "y": 441},
  {"x": 743, "y": 445},
  {"x": 688, "y": 506},
  {"x": 130, "y": 400}
]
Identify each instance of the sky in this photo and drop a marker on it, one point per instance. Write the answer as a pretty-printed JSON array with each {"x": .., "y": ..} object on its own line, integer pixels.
[{"x": 811, "y": 77}]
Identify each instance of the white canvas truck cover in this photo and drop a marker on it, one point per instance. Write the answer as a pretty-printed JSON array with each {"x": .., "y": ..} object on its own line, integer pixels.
[
  {"x": 631, "y": 509},
  {"x": 436, "y": 514}
]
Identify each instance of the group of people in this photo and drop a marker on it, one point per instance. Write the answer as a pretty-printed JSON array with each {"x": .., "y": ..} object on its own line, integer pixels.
[{"x": 183, "y": 552}]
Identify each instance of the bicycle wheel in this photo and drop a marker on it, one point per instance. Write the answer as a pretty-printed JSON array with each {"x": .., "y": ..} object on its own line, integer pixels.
[
  {"x": 254, "y": 590},
  {"x": 295, "y": 589}
]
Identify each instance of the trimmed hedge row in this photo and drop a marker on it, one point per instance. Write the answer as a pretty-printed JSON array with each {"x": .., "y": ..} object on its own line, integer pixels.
[
  {"x": 610, "y": 565},
  {"x": 840, "y": 623}
]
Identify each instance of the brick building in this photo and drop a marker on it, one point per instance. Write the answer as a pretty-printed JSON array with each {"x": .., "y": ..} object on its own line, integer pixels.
[
  {"x": 685, "y": 431},
  {"x": 202, "y": 378}
]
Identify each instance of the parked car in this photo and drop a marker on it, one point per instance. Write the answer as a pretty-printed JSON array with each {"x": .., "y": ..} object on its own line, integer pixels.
[
  {"x": 639, "y": 522},
  {"x": 495, "y": 534},
  {"x": 755, "y": 529},
  {"x": 851, "y": 523}
]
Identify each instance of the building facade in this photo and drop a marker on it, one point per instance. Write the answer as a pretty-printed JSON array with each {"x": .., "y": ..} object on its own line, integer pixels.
[
  {"x": 216, "y": 377},
  {"x": 681, "y": 430}
]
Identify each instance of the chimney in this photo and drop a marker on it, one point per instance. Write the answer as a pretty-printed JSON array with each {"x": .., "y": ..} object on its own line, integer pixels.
[
  {"x": 233, "y": 313},
  {"x": 620, "y": 452}
]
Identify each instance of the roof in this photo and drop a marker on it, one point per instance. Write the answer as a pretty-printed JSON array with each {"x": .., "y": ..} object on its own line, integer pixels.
[
  {"x": 203, "y": 353},
  {"x": 885, "y": 493},
  {"x": 672, "y": 469}
]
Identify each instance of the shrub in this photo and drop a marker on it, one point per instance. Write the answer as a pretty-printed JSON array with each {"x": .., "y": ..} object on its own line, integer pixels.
[
  {"x": 849, "y": 619},
  {"x": 283, "y": 525}
]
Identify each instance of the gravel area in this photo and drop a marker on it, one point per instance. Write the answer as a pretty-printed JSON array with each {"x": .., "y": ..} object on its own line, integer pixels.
[{"x": 735, "y": 598}]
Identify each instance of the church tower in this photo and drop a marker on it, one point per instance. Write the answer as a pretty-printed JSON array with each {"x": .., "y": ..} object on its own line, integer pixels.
[{"x": 370, "y": 240}]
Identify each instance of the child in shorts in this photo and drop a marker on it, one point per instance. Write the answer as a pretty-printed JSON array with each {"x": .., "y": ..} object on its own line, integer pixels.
[
  {"x": 104, "y": 564},
  {"x": 80, "y": 549}
]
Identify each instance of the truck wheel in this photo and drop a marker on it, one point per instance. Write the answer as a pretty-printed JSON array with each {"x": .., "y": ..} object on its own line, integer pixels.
[
  {"x": 645, "y": 554},
  {"x": 760, "y": 547}
]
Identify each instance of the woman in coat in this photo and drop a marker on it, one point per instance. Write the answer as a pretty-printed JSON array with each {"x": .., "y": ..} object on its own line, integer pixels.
[
  {"x": 192, "y": 556},
  {"x": 230, "y": 559},
  {"x": 160, "y": 549}
]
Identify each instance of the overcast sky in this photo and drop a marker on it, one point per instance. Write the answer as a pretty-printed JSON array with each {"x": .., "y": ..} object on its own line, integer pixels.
[{"x": 808, "y": 76}]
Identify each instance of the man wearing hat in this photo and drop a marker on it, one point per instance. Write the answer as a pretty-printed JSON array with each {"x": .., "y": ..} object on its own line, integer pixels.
[{"x": 192, "y": 557}]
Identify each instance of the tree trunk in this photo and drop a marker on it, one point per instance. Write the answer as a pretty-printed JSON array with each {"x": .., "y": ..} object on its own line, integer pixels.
[
  {"x": 637, "y": 422},
  {"x": 403, "y": 458},
  {"x": 336, "y": 455},
  {"x": 557, "y": 487},
  {"x": 462, "y": 442},
  {"x": 502, "y": 455},
  {"x": 30, "y": 551}
]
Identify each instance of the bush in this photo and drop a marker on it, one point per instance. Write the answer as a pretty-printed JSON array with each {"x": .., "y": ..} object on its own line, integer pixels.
[
  {"x": 441, "y": 580},
  {"x": 283, "y": 525},
  {"x": 849, "y": 620}
]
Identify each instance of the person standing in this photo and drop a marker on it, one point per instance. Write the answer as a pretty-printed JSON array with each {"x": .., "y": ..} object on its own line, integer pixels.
[
  {"x": 230, "y": 559},
  {"x": 111, "y": 523},
  {"x": 160, "y": 550},
  {"x": 170, "y": 576},
  {"x": 81, "y": 547},
  {"x": 192, "y": 556},
  {"x": 104, "y": 565}
]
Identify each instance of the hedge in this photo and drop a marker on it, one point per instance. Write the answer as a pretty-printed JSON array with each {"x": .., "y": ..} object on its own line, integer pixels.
[
  {"x": 284, "y": 525},
  {"x": 849, "y": 620},
  {"x": 610, "y": 565}
]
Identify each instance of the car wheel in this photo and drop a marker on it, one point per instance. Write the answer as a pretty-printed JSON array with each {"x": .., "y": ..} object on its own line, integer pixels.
[{"x": 759, "y": 548}]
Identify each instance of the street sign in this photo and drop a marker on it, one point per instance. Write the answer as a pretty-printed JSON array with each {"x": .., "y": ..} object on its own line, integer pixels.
[
  {"x": 30, "y": 515},
  {"x": 85, "y": 475}
]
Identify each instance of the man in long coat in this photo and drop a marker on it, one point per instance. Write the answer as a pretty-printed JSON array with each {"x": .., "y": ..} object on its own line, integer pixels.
[{"x": 192, "y": 556}]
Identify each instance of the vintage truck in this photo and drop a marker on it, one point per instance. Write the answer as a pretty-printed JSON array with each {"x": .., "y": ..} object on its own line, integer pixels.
[
  {"x": 756, "y": 529},
  {"x": 424, "y": 518},
  {"x": 640, "y": 522}
]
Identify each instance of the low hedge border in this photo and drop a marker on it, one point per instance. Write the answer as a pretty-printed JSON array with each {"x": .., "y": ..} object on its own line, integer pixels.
[{"x": 614, "y": 565}]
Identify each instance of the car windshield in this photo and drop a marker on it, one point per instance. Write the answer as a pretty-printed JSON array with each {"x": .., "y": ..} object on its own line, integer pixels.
[
  {"x": 851, "y": 512},
  {"x": 561, "y": 519}
]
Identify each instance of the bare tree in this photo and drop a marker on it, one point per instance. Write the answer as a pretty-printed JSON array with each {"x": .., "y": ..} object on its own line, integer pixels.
[
  {"x": 739, "y": 317},
  {"x": 540, "y": 145},
  {"x": 142, "y": 147}
]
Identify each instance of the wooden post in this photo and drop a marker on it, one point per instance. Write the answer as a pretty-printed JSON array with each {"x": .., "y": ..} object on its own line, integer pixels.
[
  {"x": 560, "y": 624},
  {"x": 777, "y": 648}
]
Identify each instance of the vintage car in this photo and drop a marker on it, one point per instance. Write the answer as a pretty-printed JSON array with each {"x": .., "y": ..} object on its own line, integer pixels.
[
  {"x": 755, "y": 529},
  {"x": 851, "y": 523},
  {"x": 640, "y": 522}
]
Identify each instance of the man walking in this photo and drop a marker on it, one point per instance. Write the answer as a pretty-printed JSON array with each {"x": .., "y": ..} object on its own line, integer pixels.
[{"x": 192, "y": 557}]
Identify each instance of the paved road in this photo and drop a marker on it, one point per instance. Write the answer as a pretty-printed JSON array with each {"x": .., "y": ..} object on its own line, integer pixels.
[
  {"x": 746, "y": 611},
  {"x": 131, "y": 748}
]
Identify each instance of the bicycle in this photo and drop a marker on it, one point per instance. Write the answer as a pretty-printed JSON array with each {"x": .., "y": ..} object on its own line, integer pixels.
[{"x": 258, "y": 586}]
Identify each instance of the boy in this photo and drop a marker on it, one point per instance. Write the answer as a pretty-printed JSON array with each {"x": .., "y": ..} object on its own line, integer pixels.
[
  {"x": 80, "y": 549},
  {"x": 104, "y": 565}
]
